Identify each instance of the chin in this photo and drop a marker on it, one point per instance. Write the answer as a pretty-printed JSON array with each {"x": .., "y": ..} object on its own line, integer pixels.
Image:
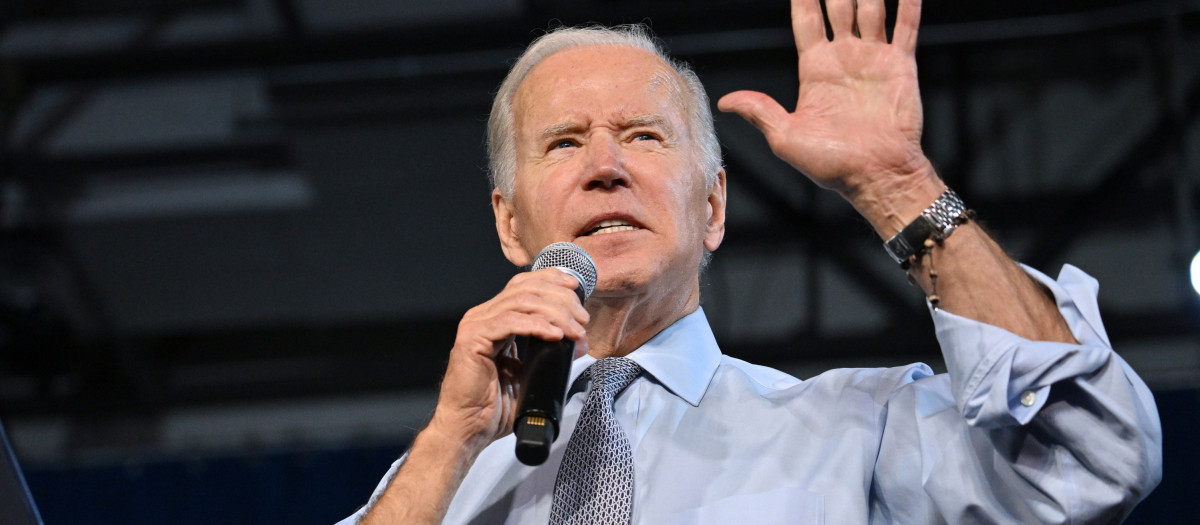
[
  {"x": 631, "y": 281},
  {"x": 618, "y": 285}
]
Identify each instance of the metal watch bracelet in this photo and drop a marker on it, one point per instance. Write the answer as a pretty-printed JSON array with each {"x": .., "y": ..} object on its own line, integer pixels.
[{"x": 940, "y": 218}]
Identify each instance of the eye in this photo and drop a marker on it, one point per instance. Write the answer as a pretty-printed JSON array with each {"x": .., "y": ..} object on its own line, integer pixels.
[
  {"x": 563, "y": 143},
  {"x": 645, "y": 135}
]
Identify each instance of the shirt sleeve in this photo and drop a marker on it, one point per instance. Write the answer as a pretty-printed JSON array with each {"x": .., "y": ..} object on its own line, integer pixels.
[
  {"x": 1001, "y": 379},
  {"x": 1021, "y": 431},
  {"x": 358, "y": 515}
]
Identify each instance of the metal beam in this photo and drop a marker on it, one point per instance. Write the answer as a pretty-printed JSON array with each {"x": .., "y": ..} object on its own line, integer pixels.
[
  {"x": 1114, "y": 187},
  {"x": 23, "y": 11},
  {"x": 698, "y": 31},
  {"x": 66, "y": 167}
]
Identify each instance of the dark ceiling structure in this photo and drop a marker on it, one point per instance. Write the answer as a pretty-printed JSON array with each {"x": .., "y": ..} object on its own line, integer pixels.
[{"x": 208, "y": 202}]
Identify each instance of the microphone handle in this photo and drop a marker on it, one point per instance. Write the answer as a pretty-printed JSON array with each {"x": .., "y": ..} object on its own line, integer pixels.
[{"x": 547, "y": 366}]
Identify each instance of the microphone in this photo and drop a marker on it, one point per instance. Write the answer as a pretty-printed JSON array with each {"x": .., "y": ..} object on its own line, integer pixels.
[{"x": 547, "y": 364}]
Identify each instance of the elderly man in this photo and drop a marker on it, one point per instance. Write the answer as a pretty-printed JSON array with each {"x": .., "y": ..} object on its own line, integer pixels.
[{"x": 598, "y": 139}]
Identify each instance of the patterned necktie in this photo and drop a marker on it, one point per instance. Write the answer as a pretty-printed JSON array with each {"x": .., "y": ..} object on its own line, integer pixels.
[{"x": 595, "y": 480}]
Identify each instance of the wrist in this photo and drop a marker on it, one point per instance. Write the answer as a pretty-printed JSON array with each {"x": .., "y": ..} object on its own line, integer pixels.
[
  {"x": 431, "y": 473},
  {"x": 454, "y": 436},
  {"x": 895, "y": 199},
  {"x": 934, "y": 224}
]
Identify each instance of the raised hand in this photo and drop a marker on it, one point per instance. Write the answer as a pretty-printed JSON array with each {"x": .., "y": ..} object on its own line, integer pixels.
[{"x": 857, "y": 124}]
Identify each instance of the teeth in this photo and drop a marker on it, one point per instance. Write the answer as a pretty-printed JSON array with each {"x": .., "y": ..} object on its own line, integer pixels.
[
  {"x": 608, "y": 223},
  {"x": 613, "y": 229},
  {"x": 611, "y": 226}
]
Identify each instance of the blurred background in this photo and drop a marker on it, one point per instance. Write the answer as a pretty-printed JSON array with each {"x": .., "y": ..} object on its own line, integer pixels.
[{"x": 236, "y": 236}]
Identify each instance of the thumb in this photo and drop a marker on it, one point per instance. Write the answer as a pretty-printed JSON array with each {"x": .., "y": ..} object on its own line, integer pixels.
[{"x": 757, "y": 108}]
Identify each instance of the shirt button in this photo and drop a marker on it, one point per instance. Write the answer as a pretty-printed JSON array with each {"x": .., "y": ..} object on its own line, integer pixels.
[{"x": 1029, "y": 398}]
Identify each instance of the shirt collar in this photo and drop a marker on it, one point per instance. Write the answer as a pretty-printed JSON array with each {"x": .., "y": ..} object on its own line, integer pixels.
[{"x": 683, "y": 357}]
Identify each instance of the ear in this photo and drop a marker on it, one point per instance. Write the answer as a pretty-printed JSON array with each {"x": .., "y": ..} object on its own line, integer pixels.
[
  {"x": 716, "y": 214},
  {"x": 508, "y": 229}
]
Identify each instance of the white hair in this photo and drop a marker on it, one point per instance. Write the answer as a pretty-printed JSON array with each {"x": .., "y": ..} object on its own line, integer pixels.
[{"x": 502, "y": 149}]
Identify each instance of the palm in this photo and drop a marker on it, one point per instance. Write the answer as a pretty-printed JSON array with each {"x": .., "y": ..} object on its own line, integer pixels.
[{"x": 858, "y": 114}]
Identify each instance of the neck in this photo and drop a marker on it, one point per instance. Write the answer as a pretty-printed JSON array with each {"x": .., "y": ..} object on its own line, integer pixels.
[{"x": 620, "y": 325}]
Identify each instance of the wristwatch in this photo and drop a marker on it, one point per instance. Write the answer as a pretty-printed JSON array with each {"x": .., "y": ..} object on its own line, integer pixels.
[{"x": 939, "y": 219}]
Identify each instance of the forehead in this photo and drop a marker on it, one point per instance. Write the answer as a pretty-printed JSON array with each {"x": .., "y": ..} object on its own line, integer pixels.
[{"x": 609, "y": 80}]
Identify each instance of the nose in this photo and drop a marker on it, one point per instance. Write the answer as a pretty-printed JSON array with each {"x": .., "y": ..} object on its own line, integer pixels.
[{"x": 606, "y": 165}]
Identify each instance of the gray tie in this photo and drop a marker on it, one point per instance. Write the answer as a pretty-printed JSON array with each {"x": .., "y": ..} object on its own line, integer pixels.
[{"x": 595, "y": 480}]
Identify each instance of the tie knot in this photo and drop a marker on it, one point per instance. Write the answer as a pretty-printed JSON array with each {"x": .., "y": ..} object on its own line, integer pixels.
[{"x": 612, "y": 374}]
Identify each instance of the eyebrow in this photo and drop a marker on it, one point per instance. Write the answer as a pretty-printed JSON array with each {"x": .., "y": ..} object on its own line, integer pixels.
[
  {"x": 637, "y": 121},
  {"x": 555, "y": 130},
  {"x": 648, "y": 121}
]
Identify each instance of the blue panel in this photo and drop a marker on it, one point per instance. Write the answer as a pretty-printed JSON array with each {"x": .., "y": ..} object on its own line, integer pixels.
[{"x": 293, "y": 488}]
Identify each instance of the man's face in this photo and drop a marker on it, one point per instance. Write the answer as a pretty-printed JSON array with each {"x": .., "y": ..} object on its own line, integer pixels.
[{"x": 605, "y": 159}]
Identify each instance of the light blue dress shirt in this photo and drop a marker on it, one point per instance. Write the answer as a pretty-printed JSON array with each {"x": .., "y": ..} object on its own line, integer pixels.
[{"x": 1016, "y": 432}]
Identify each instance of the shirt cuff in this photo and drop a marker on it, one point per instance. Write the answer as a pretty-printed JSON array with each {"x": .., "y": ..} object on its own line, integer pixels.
[{"x": 1002, "y": 379}]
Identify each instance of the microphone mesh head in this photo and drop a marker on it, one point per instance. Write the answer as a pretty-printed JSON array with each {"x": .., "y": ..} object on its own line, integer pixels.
[{"x": 572, "y": 259}]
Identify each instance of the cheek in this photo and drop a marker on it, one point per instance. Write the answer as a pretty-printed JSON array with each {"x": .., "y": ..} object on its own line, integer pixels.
[
  {"x": 550, "y": 208},
  {"x": 690, "y": 207},
  {"x": 554, "y": 179},
  {"x": 540, "y": 211}
]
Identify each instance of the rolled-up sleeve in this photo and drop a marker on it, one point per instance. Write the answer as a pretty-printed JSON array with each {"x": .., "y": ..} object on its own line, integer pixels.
[
  {"x": 1001, "y": 379},
  {"x": 1028, "y": 430}
]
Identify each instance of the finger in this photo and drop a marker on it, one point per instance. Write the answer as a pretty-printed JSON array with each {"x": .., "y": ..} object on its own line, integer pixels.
[
  {"x": 538, "y": 326},
  {"x": 872, "y": 16},
  {"x": 488, "y": 332},
  {"x": 539, "y": 304},
  {"x": 566, "y": 319},
  {"x": 509, "y": 371},
  {"x": 808, "y": 24},
  {"x": 841, "y": 17},
  {"x": 757, "y": 108},
  {"x": 555, "y": 276},
  {"x": 508, "y": 366},
  {"x": 908, "y": 19},
  {"x": 553, "y": 285}
]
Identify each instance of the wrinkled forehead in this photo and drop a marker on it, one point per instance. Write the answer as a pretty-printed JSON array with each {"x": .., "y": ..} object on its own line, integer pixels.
[{"x": 569, "y": 72}]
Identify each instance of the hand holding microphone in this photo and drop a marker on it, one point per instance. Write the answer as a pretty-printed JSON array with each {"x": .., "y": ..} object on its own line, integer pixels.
[
  {"x": 478, "y": 398},
  {"x": 486, "y": 382},
  {"x": 547, "y": 364}
]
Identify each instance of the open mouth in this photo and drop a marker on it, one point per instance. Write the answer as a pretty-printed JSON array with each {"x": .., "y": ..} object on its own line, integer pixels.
[{"x": 611, "y": 226}]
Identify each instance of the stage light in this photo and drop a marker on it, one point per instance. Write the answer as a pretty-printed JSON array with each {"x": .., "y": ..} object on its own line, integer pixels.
[{"x": 1196, "y": 273}]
